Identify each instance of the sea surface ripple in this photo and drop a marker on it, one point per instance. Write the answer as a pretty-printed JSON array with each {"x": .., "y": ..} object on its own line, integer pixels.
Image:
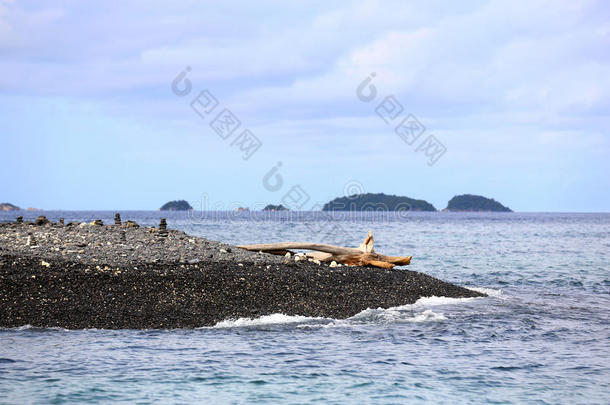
[{"x": 542, "y": 335}]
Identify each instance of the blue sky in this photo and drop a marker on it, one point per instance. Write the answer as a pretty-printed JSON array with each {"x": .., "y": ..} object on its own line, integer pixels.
[{"x": 518, "y": 93}]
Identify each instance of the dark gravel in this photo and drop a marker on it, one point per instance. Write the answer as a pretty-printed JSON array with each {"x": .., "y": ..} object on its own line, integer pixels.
[{"x": 106, "y": 276}]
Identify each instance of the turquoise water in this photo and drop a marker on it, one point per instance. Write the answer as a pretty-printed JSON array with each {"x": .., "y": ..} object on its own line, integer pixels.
[{"x": 543, "y": 335}]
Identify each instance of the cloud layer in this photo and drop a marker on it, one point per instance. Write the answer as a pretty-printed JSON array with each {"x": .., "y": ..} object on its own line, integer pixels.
[{"x": 518, "y": 93}]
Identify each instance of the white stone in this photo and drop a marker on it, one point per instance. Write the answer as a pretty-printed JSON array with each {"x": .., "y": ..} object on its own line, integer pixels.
[{"x": 333, "y": 264}]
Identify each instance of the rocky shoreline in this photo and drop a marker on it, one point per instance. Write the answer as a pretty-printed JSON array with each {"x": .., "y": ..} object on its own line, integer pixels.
[{"x": 123, "y": 276}]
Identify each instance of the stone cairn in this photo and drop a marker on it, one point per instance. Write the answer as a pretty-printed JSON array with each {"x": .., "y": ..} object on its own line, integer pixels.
[
  {"x": 163, "y": 228},
  {"x": 123, "y": 236},
  {"x": 19, "y": 220},
  {"x": 31, "y": 240},
  {"x": 41, "y": 220},
  {"x": 117, "y": 219},
  {"x": 61, "y": 221}
]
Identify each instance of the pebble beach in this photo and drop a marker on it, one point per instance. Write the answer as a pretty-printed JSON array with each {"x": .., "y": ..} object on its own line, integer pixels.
[{"x": 78, "y": 275}]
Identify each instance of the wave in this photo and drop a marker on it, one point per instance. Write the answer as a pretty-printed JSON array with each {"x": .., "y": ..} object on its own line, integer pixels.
[
  {"x": 273, "y": 319},
  {"x": 368, "y": 316},
  {"x": 489, "y": 291},
  {"x": 409, "y": 313},
  {"x": 393, "y": 315},
  {"x": 436, "y": 301}
]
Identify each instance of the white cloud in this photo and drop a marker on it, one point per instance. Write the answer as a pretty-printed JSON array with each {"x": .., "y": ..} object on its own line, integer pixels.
[{"x": 495, "y": 80}]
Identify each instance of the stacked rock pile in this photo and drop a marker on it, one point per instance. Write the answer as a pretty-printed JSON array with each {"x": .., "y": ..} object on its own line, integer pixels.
[
  {"x": 163, "y": 228},
  {"x": 41, "y": 220},
  {"x": 31, "y": 241}
]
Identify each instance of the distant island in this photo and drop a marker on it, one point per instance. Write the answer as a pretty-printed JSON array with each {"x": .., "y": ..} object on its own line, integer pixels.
[
  {"x": 377, "y": 202},
  {"x": 8, "y": 207},
  {"x": 179, "y": 205},
  {"x": 272, "y": 207},
  {"x": 469, "y": 202}
]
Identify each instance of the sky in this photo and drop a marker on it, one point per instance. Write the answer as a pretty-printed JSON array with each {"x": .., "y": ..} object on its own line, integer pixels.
[{"x": 505, "y": 99}]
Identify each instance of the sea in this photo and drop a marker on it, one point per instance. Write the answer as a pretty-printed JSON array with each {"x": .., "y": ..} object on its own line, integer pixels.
[{"x": 542, "y": 336}]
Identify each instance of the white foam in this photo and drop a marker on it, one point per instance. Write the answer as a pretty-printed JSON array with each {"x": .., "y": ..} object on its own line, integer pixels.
[
  {"x": 376, "y": 316},
  {"x": 435, "y": 301},
  {"x": 416, "y": 312},
  {"x": 489, "y": 291},
  {"x": 273, "y": 319},
  {"x": 427, "y": 316}
]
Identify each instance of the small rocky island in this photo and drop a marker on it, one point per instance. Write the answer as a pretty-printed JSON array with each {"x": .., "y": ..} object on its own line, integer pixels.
[
  {"x": 377, "y": 202},
  {"x": 178, "y": 205},
  {"x": 272, "y": 207},
  {"x": 9, "y": 207},
  {"x": 93, "y": 275},
  {"x": 470, "y": 203}
]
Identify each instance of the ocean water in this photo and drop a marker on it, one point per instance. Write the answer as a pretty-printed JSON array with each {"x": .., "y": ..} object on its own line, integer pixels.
[{"x": 542, "y": 335}]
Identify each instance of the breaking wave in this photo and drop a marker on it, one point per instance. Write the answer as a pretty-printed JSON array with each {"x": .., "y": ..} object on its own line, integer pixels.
[
  {"x": 410, "y": 313},
  {"x": 489, "y": 291},
  {"x": 273, "y": 319}
]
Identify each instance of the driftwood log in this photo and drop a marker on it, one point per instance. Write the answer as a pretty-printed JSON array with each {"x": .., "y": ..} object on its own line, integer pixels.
[{"x": 364, "y": 255}]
